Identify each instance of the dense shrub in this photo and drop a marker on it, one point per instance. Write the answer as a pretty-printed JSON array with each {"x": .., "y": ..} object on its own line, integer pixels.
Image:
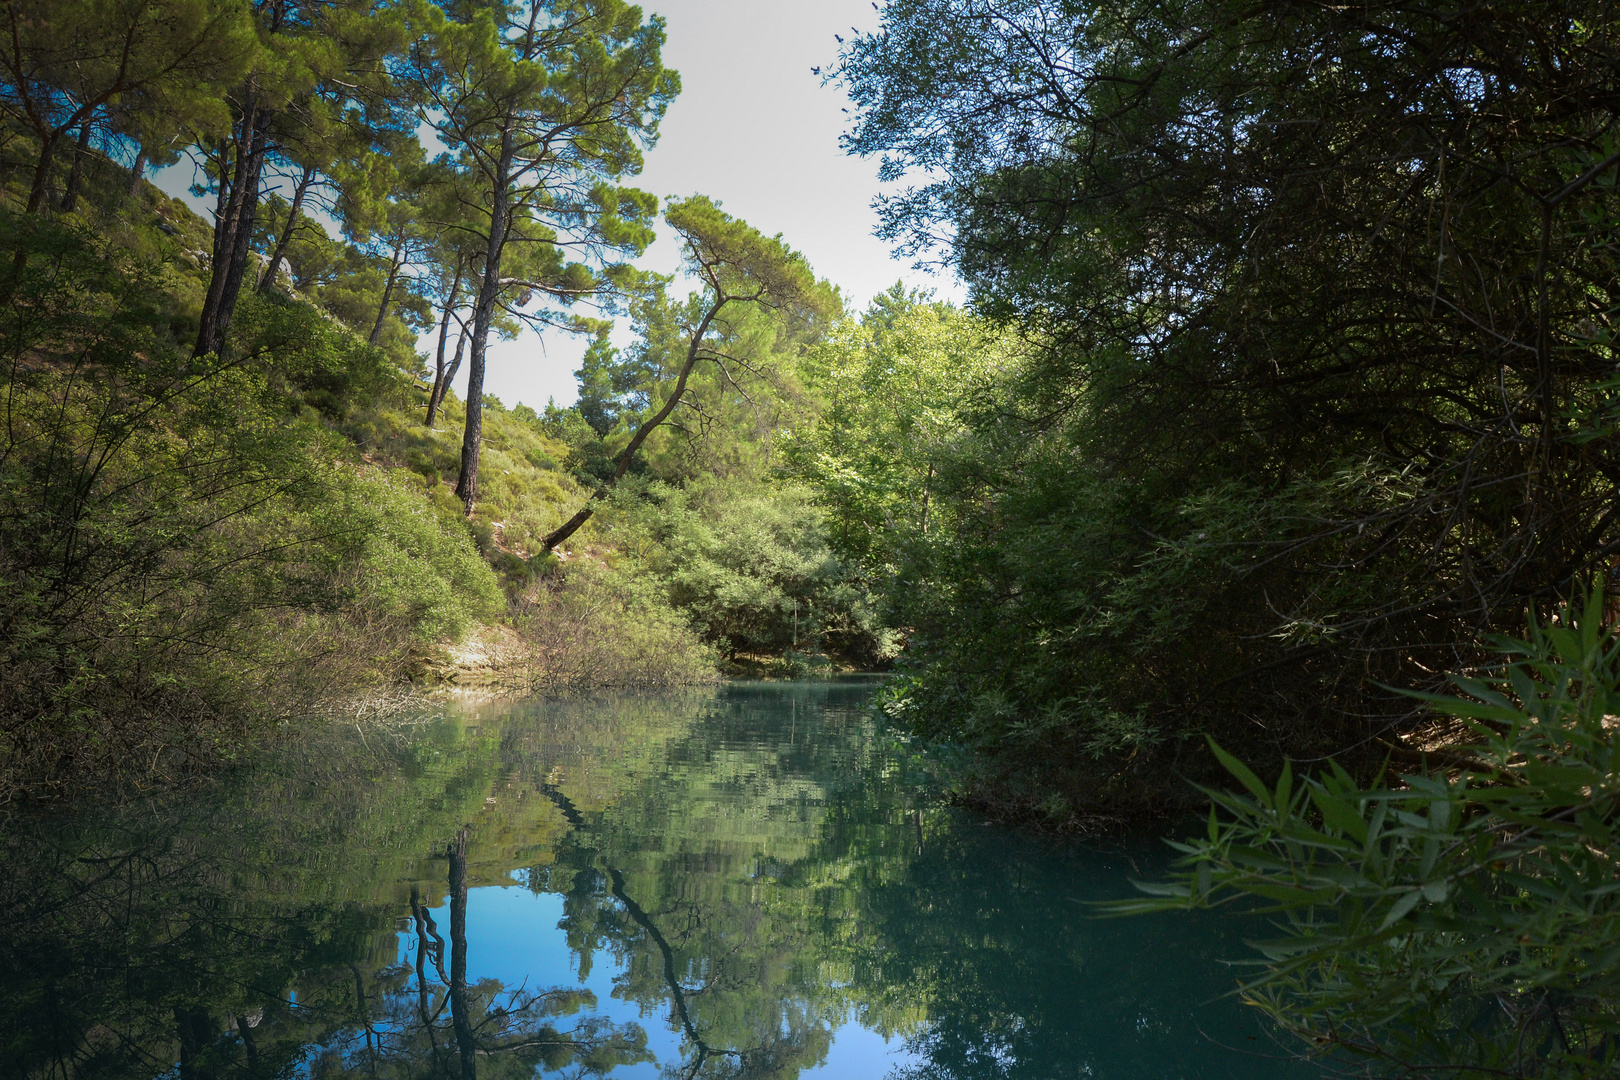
[
  {"x": 184, "y": 560},
  {"x": 316, "y": 360},
  {"x": 750, "y": 565},
  {"x": 407, "y": 565},
  {"x": 596, "y": 626},
  {"x": 1318, "y": 313}
]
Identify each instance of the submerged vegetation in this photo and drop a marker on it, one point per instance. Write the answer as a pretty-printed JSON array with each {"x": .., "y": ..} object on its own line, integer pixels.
[{"x": 1283, "y": 400}]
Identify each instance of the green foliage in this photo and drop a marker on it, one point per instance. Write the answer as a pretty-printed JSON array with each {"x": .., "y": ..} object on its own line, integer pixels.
[
  {"x": 411, "y": 568},
  {"x": 589, "y": 454},
  {"x": 605, "y": 626},
  {"x": 1300, "y": 409},
  {"x": 895, "y": 384},
  {"x": 735, "y": 388},
  {"x": 526, "y": 487},
  {"x": 264, "y": 523},
  {"x": 727, "y": 358},
  {"x": 323, "y": 364},
  {"x": 1455, "y": 922},
  {"x": 1080, "y": 630},
  {"x": 690, "y": 418},
  {"x": 604, "y": 385},
  {"x": 751, "y": 567},
  {"x": 62, "y": 62},
  {"x": 543, "y": 108},
  {"x": 187, "y": 558},
  {"x": 346, "y": 280}
]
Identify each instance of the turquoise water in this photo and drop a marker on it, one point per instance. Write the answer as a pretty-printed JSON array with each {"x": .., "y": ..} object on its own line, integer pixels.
[{"x": 749, "y": 882}]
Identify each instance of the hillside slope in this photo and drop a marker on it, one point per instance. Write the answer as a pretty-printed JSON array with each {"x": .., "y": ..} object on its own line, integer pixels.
[{"x": 199, "y": 548}]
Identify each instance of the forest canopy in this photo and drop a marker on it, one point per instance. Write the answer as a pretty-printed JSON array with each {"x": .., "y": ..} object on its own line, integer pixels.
[{"x": 1317, "y": 307}]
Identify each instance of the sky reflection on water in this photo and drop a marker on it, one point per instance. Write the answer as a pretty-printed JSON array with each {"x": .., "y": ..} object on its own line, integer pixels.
[{"x": 749, "y": 882}]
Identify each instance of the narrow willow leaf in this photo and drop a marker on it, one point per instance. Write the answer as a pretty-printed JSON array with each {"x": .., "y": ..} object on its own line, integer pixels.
[
  {"x": 1244, "y": 774},
  {"x": 1401, "y": 909},
  {"x": 1339, "y": 814}
]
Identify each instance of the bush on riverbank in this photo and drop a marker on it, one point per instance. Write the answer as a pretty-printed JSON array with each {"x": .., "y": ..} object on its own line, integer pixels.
[
  {"x": 751, "y": 566},
  {"x": 600, "y": 627},
  {"x": 1457, "y": 922}
]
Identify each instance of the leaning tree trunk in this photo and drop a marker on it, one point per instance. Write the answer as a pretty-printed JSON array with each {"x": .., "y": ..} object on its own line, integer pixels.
[
  {"x": 42, "y": 169},
  {"x": 396, "y": 262},
  {"x": 693, "y": 354},
  {"x": 437, "y": 401},
  {"x": 440, "y": 377},
  {"x": 274, "y": 267},
  {"x": 36, "y": 203}
]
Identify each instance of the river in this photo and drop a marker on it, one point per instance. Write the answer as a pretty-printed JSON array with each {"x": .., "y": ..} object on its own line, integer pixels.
[{"x": 751, "y": 881}]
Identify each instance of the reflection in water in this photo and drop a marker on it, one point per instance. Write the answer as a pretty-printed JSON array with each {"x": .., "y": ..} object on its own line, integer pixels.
[{"x": 748, "y": 883}]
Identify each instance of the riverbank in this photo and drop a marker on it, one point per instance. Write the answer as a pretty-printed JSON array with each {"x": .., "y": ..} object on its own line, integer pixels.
[{"x": 199, "y": 547}]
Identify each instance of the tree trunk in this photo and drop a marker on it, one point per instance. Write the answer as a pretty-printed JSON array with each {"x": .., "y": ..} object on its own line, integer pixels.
[
  {"x": 250, "y": 1046},
  {"x": 472, "y": 432},
  {"x": 421, "y": 975},
  {"x": 268, "y": 281},
  {"x": 196, "y": 1031},
  {"x": 222, "y": 197},
  {"x": 677, "y": 995},
  {"x": 572, "y": 525},
  {"x": 396, "y": 262},
  {"x": 226, "y": 214},
  {"x": 81, "y": 152},
  {"x": 137, "y": 173},
  {"x": 42, "y": 170},
  {"x": 242, "y": 247},
  {"x": 233, "y": 232},
  {"x": 459, "y": 1006},
  {"x": 36, "y": 200},
  {"x": 489, "y": 292},
  {"x": 450, "y": 373},
  {"x": 437, "y": 392}
]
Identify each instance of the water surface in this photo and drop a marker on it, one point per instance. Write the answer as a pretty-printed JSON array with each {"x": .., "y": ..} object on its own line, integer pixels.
[{"x": 749, "y": 882}]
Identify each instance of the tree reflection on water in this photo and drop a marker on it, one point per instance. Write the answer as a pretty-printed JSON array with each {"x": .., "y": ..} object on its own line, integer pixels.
[{"x": 755, "y": 868}]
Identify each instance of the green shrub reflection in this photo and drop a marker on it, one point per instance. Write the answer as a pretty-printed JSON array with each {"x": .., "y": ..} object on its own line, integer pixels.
[{"x": 757, "y": 867}]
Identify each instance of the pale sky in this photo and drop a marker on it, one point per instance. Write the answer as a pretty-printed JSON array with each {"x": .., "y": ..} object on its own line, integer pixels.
[{"x": 754, "y": 129}]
